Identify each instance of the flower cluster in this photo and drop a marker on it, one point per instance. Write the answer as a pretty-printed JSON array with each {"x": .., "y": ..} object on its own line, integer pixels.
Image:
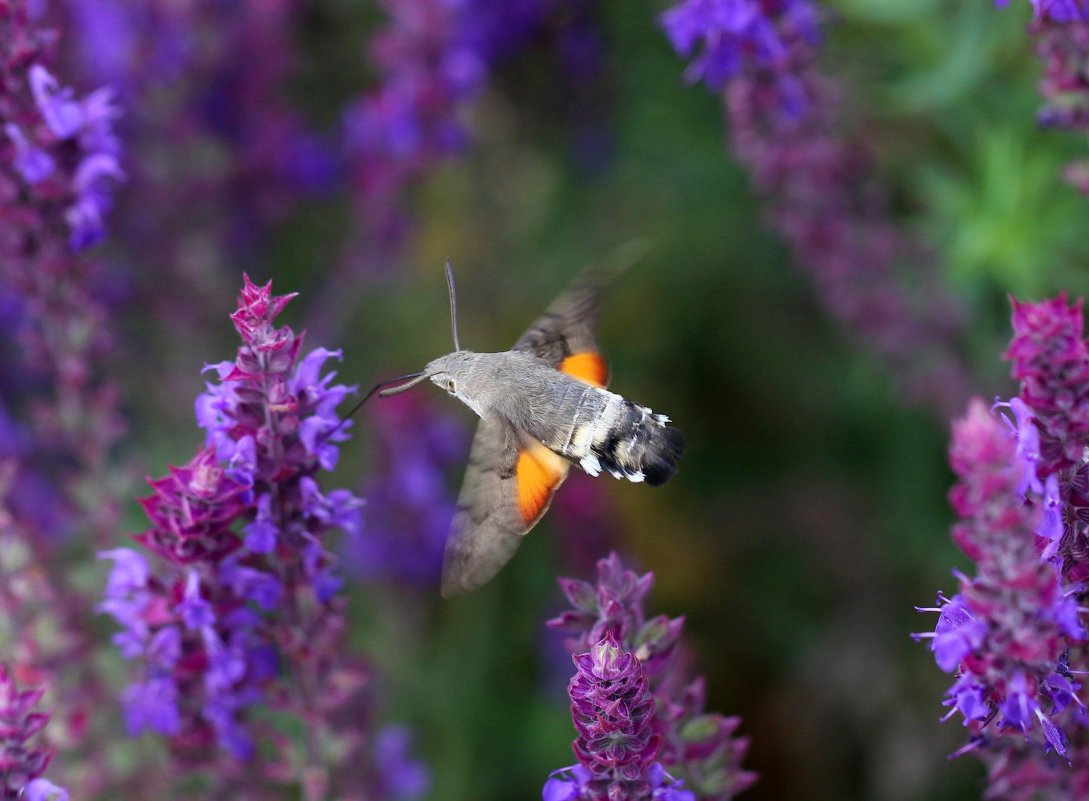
[
  {"x": 242, "y": 593},
  {"x": 1013, "y": 635},
  {"x": 613, "y": 708},
  {"x": 611, "y": 633},
  {"x": 1007, "y": 632},
  {"x": 21, "y": 764},
  {"x": 59, "y": 489},
  {"x": 817, "y": 184}
]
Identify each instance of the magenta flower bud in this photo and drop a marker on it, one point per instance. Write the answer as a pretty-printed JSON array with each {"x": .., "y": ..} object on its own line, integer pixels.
[
  {"x": 192, "y": 511},
  {"x": 612, "y": 707},
  {"x": 1051, "y": 360},
  {"x": 663, "y": 746}
]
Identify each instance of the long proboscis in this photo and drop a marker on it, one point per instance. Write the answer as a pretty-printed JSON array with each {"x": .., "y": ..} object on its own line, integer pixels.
[{"x": 417, "y": 377}]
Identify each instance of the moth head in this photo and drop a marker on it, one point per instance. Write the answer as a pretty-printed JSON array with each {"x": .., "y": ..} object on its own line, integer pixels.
[
  {"x": 450, "y": 373},
  {"x": 447, "y": 372}
]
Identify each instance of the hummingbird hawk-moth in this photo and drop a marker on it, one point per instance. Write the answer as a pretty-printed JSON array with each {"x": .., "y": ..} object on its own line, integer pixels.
[{"x": 543, "y": 407}]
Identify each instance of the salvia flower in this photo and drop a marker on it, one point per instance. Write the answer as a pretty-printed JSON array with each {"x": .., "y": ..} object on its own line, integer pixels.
[
  {"x": 1014, "y": 636},
  {"x": 22, "y": 764},
  {"x": 241, "y": 593},
  {"x": 613, "y": 711},
  {"x": 818, "y": 185},
  {"x": 612, "y": 708},
  {"x": 1009, "y": 634},
  {"x": 698, "y": 748},
  {"x": 1016, "y": 595}
]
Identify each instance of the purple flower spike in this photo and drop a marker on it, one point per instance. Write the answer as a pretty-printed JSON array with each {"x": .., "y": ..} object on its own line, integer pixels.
[
  {"x": 1015, "y": 635},
  {"x": 612, "y": 707},
  {"x": 58, "y": 338},
  {"x": 666, "y": 748},
  {"x": 1009, "y": 632},
  {"x": 241, "y": 599},
  {"x": 613, "y": 711},
  {"x": 786, "y": 127}
]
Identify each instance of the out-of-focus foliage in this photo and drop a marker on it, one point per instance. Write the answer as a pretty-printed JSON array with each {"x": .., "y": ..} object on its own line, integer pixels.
[{"x": 808, "y": 516}]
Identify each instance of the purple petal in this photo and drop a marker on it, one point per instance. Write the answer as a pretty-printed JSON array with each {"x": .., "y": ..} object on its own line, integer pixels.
[
  {"x": 44, "y": 790},
  {"x": 62, "y": 114}
]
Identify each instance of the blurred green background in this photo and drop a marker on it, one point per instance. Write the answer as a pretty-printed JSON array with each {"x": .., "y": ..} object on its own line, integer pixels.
[{"x": 809, "y": 515}]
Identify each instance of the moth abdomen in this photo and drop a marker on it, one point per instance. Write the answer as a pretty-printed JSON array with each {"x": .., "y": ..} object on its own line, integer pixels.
[{"x": 630, "y": 441}]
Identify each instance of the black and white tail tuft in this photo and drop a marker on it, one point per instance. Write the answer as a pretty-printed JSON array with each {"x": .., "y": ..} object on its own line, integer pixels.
[{"x": 638, "y": 446}]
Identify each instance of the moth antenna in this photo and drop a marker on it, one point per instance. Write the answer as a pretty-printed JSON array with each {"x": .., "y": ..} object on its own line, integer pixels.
[
  {"x": 453, "y": 304},
  {"x": 416, "y": 379}
]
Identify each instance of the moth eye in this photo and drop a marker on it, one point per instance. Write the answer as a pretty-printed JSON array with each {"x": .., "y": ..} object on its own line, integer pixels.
[{"x": 451, "y": 387}]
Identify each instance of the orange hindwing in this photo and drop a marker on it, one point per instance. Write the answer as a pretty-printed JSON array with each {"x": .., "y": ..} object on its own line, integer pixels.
[
  {"x": 538, "y": 473},
  {"x": 588, "y": 367}
]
